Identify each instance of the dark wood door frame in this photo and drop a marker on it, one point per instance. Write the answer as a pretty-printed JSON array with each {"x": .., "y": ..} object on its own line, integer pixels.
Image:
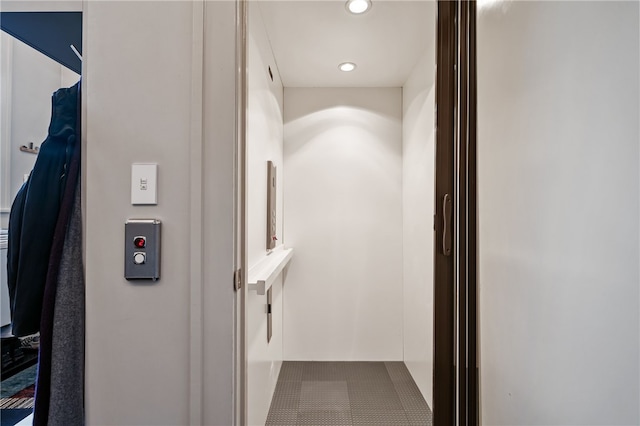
[
  {"x": 467, "y": 214},
  {"x": 455, "y": 376},
  {"x": 444, "y": 273}
]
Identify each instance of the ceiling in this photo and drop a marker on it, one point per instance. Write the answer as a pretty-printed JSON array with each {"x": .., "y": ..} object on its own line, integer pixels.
[{"x": 310, "y": 39}]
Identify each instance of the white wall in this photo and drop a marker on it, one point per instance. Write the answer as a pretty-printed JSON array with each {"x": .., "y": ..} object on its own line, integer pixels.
[
  {"x": 343, "y": 210},
  {"x": 418, "y": 171},
  {"x": 558, "y": 213},
  {"x": 264, "y": 134},
  {"x": 137, "y": 333},
  {"x": 160, "y": 354},
  {"x": 31, "y": 78},
  {"x": 34, "y": 79},
  {"x": 216, "y": 171},
  {"x": 264, "y": 143}
]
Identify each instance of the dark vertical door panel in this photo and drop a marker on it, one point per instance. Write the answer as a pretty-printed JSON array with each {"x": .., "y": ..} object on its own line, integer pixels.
[
  {"x": 466, "y": 299},
  {"x": 455, "y": 396},
  {"x": 444, "y": 290}
]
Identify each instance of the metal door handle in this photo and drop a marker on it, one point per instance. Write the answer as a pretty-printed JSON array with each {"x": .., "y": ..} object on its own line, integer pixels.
[{"x": 446, "y": 225}]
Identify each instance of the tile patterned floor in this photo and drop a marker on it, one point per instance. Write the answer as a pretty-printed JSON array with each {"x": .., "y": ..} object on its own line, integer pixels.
[{"x": 347, "y": 394}]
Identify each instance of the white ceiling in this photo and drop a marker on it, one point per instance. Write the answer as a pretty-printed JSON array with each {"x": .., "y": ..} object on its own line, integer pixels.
[{"x": 311, "y": 38}]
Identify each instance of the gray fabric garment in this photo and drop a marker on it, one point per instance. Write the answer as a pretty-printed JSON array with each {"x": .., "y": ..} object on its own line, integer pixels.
[{"x": 67, "y": 357}]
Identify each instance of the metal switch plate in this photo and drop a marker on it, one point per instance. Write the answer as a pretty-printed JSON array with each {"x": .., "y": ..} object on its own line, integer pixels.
[
  {"x": 271, "y": 206},
  {"x": 142, "y": 249}
]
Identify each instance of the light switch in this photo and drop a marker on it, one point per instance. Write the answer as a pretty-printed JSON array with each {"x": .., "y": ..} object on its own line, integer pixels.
[{"x": 144, "y": 184}]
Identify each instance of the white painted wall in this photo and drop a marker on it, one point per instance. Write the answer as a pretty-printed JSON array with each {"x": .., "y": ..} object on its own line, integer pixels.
[
  {"x": 160, "y": 354},
  {"x": 264, "y": 134},
  {"x": 31, "y": 78},
  {"x": 558, "y": 213},
  {"x": 137, "y": 110},
  {"x": 6, "y": 57},
  {"x": 68, "y": 77},
  {"x": 264, "y": 143},
  {"x": 418, "y": 171},
  {"x": 34, "y": 78},
  {"x": 219, "y": 401},
  {"x": 343, "y": 210}
]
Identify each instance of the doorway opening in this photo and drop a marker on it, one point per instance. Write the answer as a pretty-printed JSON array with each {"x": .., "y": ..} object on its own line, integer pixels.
[{"x": 345, "y": 276}]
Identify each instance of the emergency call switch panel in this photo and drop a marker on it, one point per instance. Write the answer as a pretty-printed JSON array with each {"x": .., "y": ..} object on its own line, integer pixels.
[{"x": 142, "y": 249}]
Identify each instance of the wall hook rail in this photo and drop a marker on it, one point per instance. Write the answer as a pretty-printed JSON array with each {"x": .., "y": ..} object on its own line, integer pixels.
[{"x": 30, "y": 149}]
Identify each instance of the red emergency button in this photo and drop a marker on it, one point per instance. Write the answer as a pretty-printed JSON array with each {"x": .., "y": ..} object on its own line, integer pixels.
[{"x": 140, "y": 242}]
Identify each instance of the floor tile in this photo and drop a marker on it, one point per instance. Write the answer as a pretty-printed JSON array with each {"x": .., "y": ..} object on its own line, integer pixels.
[
  {"x": 323, "y": 371},
  {"x": 281, "y": 417},
  {"x": 367, "y": 372},
  {"x": 420, "y": 418},
  {"x": 286, "y": 395},
  {"x": 374, "y": 398},
  {"x": 398, "y": 372},
  {"x": 386, "y": 418},
  {"x": 324, "y": 395},
  {"x": 324, "y": 418},
  {"x": 291, "y": 371},
  {"x": 346, "y": 394}
]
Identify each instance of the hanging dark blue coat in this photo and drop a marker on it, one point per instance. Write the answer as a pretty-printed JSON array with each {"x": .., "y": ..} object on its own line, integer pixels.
[{"x": 34, "y": 214}]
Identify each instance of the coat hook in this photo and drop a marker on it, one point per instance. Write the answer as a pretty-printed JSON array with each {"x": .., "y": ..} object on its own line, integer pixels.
[
  {"x": 31, "y": 149},
  {"x": 76, "y": 51}
]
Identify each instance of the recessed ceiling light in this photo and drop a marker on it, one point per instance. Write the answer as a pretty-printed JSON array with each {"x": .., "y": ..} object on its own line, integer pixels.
[
  {"x": 483, "y": 4},
  {"x": 347, "y": 66},
  {"x": 358, "y": 6}
]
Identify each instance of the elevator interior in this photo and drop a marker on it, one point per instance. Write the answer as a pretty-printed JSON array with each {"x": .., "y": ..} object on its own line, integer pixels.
[{"x": 353, "y": 152}]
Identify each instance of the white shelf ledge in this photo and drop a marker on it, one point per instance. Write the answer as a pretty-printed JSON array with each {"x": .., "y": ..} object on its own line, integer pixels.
[{"x": 262, "y": 275}]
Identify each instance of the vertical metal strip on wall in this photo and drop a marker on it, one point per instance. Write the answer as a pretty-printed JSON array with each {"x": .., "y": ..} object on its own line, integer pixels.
[
  {"x": 461, "y": 211},
  {"x": 473, "y": 386}
]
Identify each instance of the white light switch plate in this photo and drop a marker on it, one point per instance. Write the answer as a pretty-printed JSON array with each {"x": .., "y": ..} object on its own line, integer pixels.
[{"x": 144, "y": 184}]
